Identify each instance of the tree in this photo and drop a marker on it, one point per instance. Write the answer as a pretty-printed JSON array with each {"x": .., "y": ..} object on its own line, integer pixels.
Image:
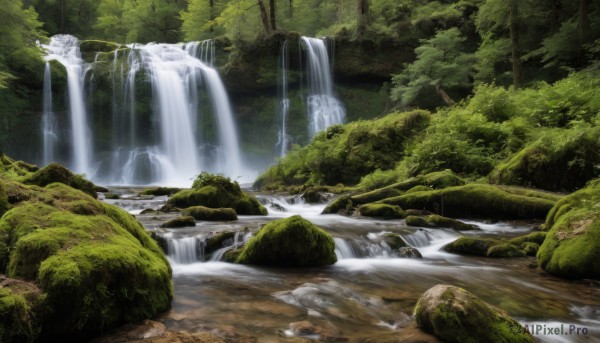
[
  {"x": 363, "y": 17},
  {"x": 264, "y": 17},
  {"x": 440, "y": 64},
  {"x": 199, "y": 19},
  {"x": 272, "y": 15}
]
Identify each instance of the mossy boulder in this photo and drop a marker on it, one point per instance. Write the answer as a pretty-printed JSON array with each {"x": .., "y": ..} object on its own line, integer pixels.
[
  {"x": 289, "y": 242},
  {"x": 20, "y": 309},
  {"x": 3, "y": 199},
  {"x": 505, "y": 250},
  {"x": 530, "y": 248},
  {"x": 94, "y": 46},
  {"x": 395, "y": 242},
  {"x": 55, "y": 172},
  {"x": 95, "y": 264},
  {"x": 537, "y": 237},
  {"x": 555, "y": 164},
  {"x": 183, "y": 221},
  {"x": 437, "y": 221},
  {"x": 111, "y": 196},
  {"x": 475, "y": 200},
  {"x": 572, "y": 245},
  {"x": 158, "y": 191},
  {"x": 215, "y": 191},
  {"x": 471, "y": 245},
  {"x": 210, "y": 214},
  {"x": 312, "y": 196},
  {"x": 457, "y": 316},
  {"x": 418, "y": 189},
  {"x": 342, "y": 205},
  {"x": 382, "y": 211}
]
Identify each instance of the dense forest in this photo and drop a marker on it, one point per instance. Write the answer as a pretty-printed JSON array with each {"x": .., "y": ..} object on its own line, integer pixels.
[{"x": 464, "y": 150}]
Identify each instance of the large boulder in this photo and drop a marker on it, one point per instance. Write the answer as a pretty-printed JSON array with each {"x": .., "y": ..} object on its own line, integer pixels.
[
  {"x": 436, "y": 221},
  {"x": 289, "y": 242},
  {"x": 217, "y": 191},
  {"x": 572, "y": 245},
  {"x": 55, "y": 172},
  {"x": 455, "y": 315},
  {"x": 382, "y": 211},
  {"x": 210, "y": 214},
  {"x": 96, "y": 265},
  {"x": 475, "y": 200},
  {"x": 489, "y": 247}
]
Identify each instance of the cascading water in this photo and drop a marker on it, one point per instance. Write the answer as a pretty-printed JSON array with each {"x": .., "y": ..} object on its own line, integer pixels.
[
  {"x": 283, "y": 140},
  {"x": 65, "y": 50},
  {"x": 48, "y": 119},
  {"x": 324, "y": 109}
]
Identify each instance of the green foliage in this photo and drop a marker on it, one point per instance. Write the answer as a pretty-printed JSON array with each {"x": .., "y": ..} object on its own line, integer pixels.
[
  {"x": 571, "y": 246},
  {"x": 441, "y": 64},
  {"x": 346, "y": 153},
  {"x": 289, "y": 242}
]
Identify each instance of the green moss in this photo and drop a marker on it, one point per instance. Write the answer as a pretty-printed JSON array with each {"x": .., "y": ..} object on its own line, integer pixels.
[
  {"x": 289, "y": 242},
  {"x": 158, "y": 191},
  {"x": 55, "y": 172},
  {"x": 94, "y": 46},
  {"x": 418, "y": 189},
  {"x": 434, "y": 220},
  {"x": 3, "y": 199},
  {"x": 395, "y": 242},
  {"x": 572, "y": 245},
  {"x": 232, "y": 255},
  {"x": 530, "y": 248},
  {"x": 528, "y": 192},
  {"x": 216, "y": 191},
  {"x": 205, "y": 213},
  {"x": 312, "y": 196},
  {"x": 382, "y": 211},
  {"x": 183, "y": 221},
  {"x": 534, "y": 237},
  {"x": 471, "y": 246},
  {"x": 455, "y": 315},
  {"x": 96, "y": 264},
  {"x": 18, "y": 303},
  {"x": 505, "y": 250},
  {"x": 341, "y": 204},
  {"x": 475, "y": 200},
  {"x": 218, "y": 241},
  {"x": 111, "y": 196},
  {"x": 563, "y": 164}
]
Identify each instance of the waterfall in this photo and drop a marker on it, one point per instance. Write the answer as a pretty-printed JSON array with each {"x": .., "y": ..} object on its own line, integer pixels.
[
  {"x": 283, "y": 140},
  {"x": 183, "y": 250},
  {"x": 65, "y": 50},
  {"x": 324, "y": 109},
  {"x": 48, "y": 119}
]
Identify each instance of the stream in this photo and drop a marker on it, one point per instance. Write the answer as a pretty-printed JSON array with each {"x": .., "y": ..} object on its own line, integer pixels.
[{"x": 369, "y": 294}]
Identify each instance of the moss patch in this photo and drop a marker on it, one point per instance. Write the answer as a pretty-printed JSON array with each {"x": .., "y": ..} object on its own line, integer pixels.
[
  {"x": 183, "y": 221},
  {"x": 475, "y": 200},
  {"x": 289, "y": 242},
  {"x": 572, "y": 245},
  {"x": 95, "y": 264},
  {"x": 206, "y": 213},
  {"x": 435, "y": 220},
  {"x": 158, "y": 191},
  {"x": 55, "y": 172},
  {"x": 455, "y": 315},
  {"x": 382, "y": 211}
]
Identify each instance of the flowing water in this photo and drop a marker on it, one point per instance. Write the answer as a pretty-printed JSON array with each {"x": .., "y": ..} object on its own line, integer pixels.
[
  {"x": 324, "y": 109},
  {"x": 65, "y": 50},
  {"x": 49, "y": 135},
  {"x": 283, "y": 139},
  {"x": 369, "y": 294}
]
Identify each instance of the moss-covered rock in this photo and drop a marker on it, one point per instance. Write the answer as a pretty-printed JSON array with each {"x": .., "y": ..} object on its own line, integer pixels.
[
  {"x": 455, "y": 315},
  {"x": 312, "y": 196},
  {"x": 530, "y": 248},
  {"x": 232, "y": 255},
  {"x": 20, "y": 310},
  {"x": 183, "y": 221},
  {"x": 55, "y": 172},
  {"x": 3, "y": 199},
  {"x": 505, "y": 250},
  {"x": 395, "y": 242},
  {"x": 471, "y": 245},
  {"x": 409, "y": 252},
  {"x": 341, "y": 205},
  {"x": 289, "y": 242},
  {"x": 434, "y": 220},
  {"x": 572, "y": 245},
  {"x": 94, "y": 46},
  {"x": 534, "y": 237},
  {"x": 217, "y": 241},
  {"x": 210, "y": 214},
  {"x": 96, "y": 265},
  {"x": 111, "y": 196},
  {"x": 419, "y": 189},
  {"x": 382, "y": 211},
  {"x": 475, "y": 200},
  {"x": 158, "y": 191},
  {"x": 564, "y": 164},
  {"x": 215, "y": 191}
]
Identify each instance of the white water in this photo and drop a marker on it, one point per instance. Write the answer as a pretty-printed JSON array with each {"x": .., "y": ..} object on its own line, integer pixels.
[
  {"x": 283, "y": 139},
  {"x": 49, "y": 136},
  {"x": 65, "y": 50},
  {"x": 324, "y": 110}
]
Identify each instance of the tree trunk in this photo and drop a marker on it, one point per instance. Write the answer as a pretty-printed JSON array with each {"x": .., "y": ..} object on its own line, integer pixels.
[
  {"x": 272, "y": 14},
  {"x": 363, "y": 17},
  {"x": 264, "y": 17},
  {"x": 517, "y": 65},
  {"x": 291, "y": 9},
  {"x": 584, "y": 25},
  {"x": 554, "y": 22},
  {"x": 212, "y": 14},
  {"x": 447, "y": 99}
]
